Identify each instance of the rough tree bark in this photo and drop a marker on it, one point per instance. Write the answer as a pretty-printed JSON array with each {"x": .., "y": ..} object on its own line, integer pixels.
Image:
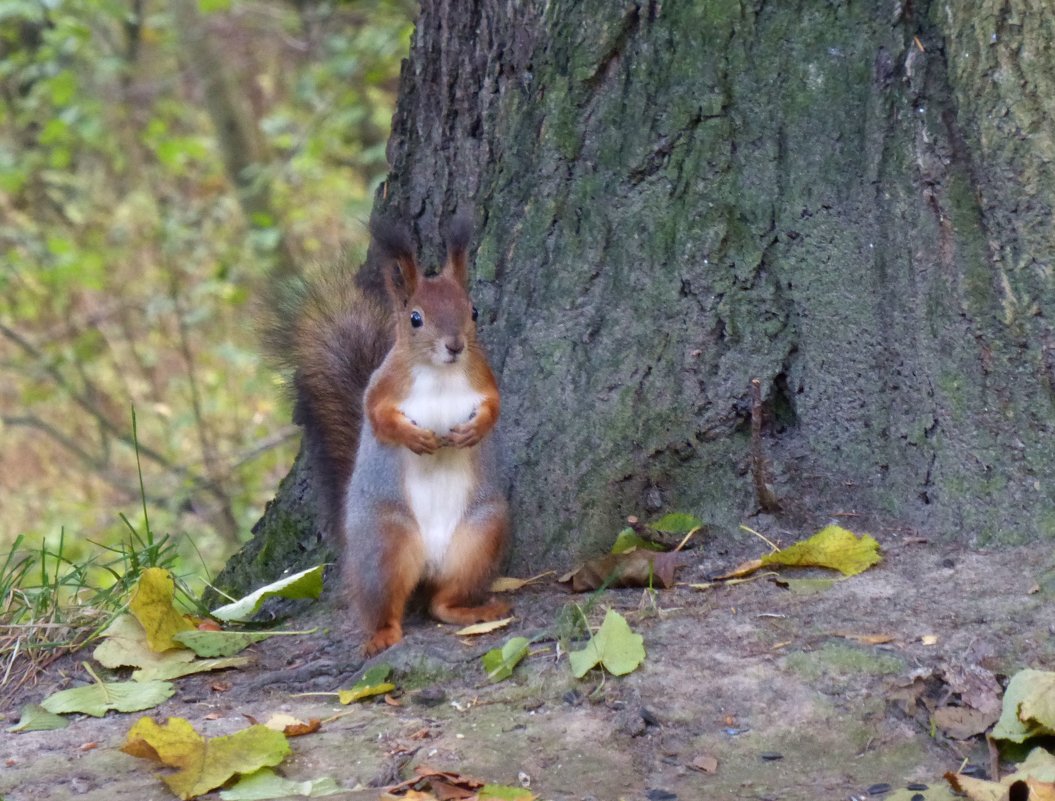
[{"x": 851, "y": 202}]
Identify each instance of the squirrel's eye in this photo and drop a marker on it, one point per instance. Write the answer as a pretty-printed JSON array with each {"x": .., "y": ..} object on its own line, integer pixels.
[
  {"x": 475, "y": 314},
  {"x": 416, "y": 319}
]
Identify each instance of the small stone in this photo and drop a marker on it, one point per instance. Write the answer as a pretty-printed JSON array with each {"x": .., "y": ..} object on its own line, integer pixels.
[
  {"x": 918, "y": 797},
  {"x": 430, "y": 696},
  {"x": 771, "y": 756},
  {"x": 948, "y": 563},
  {"x": 879, "y": 789},
  {"x": 975, "y": 770},
  {"x": 573, "y": 697},
  {"x": 649, "y": 717},
  {"x": 657, "y": 794},
  {"x": 916, "y": 786}
]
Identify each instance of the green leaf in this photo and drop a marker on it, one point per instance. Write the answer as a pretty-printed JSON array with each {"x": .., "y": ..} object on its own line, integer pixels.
[
  {"x": 306, "y": 584},
  {"x": 204, "y": 763},
  {"x": 177, "y": 670},
  {"x": 615, "y": 646},
  {"x": 833, "y": 547},
  {"x": 371, "y": 683},
  {"x": 677, "y": 523},
  {"x": 499, "y": 662},
  {"x": 36, "y": 718},
  {"x": 266, "y": 784},
  {"x": 1029, "y": 707},
  {"x": 226, "y": 643},
  {"x": 97, "y": 699},
  {"x": 628, "y": 540}
]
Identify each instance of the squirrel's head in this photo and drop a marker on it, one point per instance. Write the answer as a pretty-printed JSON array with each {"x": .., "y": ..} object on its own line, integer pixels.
[{"x": 435, "y": 318}]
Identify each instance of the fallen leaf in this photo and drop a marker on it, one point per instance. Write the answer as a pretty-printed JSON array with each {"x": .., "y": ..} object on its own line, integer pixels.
[
  {"x": 483, "y": 628},
  {"x": 372, "y": 682},
  {"x": 961, "y": 722},
  {"x": 125, "y": 645},
  {"x": 499, "y": 662},
  {"x": 705, "y": 763},
  {"x": 629, "y": 540},
  {"x": 832, "y": 547},
  {"x": 266, "y": 784},
  {"x": 615, "y": 646},
  {"x": 508, "y": 584},
  {"x": 176, "y": 670},
  {"x": 632, "y": 569},
  {"x": 676, "y": 524},
  {"x": 305, "y": 584},
  {"x": 34, "y": 717},
  {"x": 291, "y": 726},
  {"x": 866, "y": 639},
  {"x": 99, "y": 698},
  {"x": 1037, "y": 772},
  {"x": 227, "y": 643},
  {"x": 929, "y": 639},
  {"x": 741, "y": 570},
  {"x": 1029, "y": 707},
  {"x": 152, "y": 606},
  {"x": 88, "y": 746},
  {"x": 203, "y": 764}
]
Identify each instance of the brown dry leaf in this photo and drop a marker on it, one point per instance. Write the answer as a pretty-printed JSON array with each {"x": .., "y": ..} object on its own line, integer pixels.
[
  {"x": 961, "y": 722},
  {"x": 631, "y": 569},
  {"x": 705, "y": 763},
  {"x": 91, "y": 745},
  {"x": 388, "y": 699}
]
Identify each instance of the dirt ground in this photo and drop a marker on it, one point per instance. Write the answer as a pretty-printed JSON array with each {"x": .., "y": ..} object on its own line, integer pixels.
[{"x": 770, "y": 683}]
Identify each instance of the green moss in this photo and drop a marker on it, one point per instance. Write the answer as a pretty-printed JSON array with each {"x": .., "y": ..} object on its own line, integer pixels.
[{"x": 836, "y": 660}]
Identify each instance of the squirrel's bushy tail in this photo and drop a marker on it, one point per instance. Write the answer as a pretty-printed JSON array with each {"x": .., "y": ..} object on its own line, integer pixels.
[{"x": 331, "y": 336}]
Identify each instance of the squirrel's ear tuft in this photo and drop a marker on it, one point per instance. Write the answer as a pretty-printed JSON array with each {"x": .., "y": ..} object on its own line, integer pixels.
[
  {"x": 395, "y": 247},
  {"x": 459, "y": 233}
]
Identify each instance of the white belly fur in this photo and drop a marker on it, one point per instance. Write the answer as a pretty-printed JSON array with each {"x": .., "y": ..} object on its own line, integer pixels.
[{"x": 438, "y": 486}]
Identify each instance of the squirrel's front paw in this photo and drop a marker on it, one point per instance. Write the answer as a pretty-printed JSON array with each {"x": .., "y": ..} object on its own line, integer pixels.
[
  {"x": 465, "y": 435},
  {"x": 422, "y": 441}
]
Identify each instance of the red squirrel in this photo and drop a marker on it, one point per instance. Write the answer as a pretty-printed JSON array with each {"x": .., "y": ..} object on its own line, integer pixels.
[{"x": 398, "y": 405}]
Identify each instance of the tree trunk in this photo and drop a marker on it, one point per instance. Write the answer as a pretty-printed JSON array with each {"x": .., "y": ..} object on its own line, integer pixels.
[{"x": 850, "y": 202}]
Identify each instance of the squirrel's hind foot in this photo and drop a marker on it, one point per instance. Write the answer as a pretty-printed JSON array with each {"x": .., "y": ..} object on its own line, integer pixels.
[{"x": 447, "y": 612}]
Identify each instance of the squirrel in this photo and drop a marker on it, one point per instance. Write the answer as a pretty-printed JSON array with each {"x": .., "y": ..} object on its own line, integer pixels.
[{"x": 398, "y": 403}]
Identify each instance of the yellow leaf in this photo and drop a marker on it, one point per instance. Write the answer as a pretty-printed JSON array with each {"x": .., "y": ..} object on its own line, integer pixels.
[
  {"x": 509, "y": 584},
  {"x": 833, "y": 547},
  {"x": 203, "y": 764},
  {"x": 483, "y": 628},
  {"x": 152, "y": 606},
  {"x": 359, "y": 693}
]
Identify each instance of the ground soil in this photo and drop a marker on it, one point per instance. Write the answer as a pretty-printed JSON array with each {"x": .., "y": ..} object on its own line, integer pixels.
[{"x": 768, "y": 682}]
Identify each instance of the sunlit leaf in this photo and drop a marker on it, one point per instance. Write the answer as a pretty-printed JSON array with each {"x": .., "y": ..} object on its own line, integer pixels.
[
  {"x": 483, "y": 628},
  {"x": 226, "y": 643},
  {"x": 203, "y": 764},
  {"x": 615, "y": 646},
  {"x": 833, "y": 547},
  {"x": 99, "y": 698},
  {"x": 305, "y": 584},
  {"x": 152, "y": 606},
  {"x": 1029, "y": 707},
  {"x": 499, "y": 662},
  {"x": 372, "y": 682}
]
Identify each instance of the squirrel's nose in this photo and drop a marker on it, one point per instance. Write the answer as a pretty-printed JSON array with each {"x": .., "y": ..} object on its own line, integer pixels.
[{"x": 455, "y": 346}]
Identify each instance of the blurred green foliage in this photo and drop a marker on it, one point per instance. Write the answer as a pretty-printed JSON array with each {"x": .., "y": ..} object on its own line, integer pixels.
[{"x": 129, "y": 260}]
